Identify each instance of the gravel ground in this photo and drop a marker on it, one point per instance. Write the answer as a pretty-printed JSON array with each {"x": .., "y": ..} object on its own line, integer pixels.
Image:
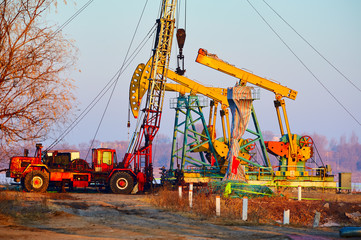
[{"x": 111, "y": 216}]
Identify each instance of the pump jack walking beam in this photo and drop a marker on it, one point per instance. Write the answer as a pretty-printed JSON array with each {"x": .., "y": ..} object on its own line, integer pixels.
[{"x": 212, "y": 61}]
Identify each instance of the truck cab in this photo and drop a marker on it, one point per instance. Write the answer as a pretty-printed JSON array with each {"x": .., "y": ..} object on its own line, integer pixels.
[{"x": 104, "y": 159}]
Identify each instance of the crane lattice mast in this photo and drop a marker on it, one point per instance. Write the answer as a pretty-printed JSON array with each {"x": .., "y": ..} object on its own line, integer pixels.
[{"x": 141, "y": 145}]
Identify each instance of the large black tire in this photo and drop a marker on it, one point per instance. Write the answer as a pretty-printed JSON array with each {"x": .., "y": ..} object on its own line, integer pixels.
[
  {"x": 121, "y": 182},
  {"x": 36, "y": 181}
]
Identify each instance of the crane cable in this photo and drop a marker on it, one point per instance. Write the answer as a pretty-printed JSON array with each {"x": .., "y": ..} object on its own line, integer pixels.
[
  {"x": 178, "y": 14},
  {"x": 73, "y": 16},
  {"x": 117, "y": 79},
  {"x": 52, "y": 35},
  {"x": 102, "y": 92},
  {"x": 318, "y": 52},
  {"x": 319, "y": 156},
  {"x": 62, "y": 26},
  {"x": 309, "y": 70},
  {"x": 108, "y": 85}
]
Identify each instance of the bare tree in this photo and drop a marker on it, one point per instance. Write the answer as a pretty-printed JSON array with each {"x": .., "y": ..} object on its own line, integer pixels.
[{"x": 35, "y": 93}]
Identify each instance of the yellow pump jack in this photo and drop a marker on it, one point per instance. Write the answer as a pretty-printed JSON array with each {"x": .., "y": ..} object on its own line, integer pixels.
[
  {"x": 138, "y": 87},
  {"x": 292, "y": 150}
]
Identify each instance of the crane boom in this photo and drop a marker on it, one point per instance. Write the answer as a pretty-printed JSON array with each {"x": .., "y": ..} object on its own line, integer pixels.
[{"x": 141, "y": 144}]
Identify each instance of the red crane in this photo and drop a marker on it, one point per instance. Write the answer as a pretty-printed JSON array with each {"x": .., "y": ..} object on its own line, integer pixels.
[{"x": 140, "y": 148}]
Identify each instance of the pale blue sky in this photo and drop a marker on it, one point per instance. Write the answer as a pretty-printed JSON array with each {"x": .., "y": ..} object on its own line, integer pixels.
[{"x": 233, "y": 31}]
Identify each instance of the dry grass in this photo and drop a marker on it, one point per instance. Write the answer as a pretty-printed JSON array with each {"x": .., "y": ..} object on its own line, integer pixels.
[
  {"x": 25, "y": 206},
  {"x": 263, "y": 210}
]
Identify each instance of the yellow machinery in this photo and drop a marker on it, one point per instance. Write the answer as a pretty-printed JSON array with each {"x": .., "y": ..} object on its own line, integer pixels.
[
  {"x": 186, "y": 86},
  {"x": 292, "y": 150},
  {"x": 218, "y": 96}
]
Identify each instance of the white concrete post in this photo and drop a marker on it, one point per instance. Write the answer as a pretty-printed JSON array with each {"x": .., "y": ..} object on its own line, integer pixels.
[
  {"x": 286, "y": 216},
  {"x": 245, "y": 209},
  {"x": 218, "y": 206},
  {"x": 190, "y": 197},
  {"x": 316, "y": 221},
  {"x": 180, "y": 192},
  {"x": 299, "y": 197}
]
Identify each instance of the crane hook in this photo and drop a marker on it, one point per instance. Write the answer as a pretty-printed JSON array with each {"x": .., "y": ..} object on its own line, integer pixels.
[{"x": 181, "y": 37}]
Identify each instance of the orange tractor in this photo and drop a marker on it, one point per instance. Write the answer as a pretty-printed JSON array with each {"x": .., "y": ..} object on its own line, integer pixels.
[{"x": 59, "y": 169}]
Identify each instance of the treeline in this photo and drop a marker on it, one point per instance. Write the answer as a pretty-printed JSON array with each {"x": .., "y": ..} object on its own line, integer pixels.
[{"x": 343, "y": 155}]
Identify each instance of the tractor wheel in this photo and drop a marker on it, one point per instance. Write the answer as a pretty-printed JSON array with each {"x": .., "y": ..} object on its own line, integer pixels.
[
  {"x": 36, "y": 181},
  {"x": 121, "y": 182}
]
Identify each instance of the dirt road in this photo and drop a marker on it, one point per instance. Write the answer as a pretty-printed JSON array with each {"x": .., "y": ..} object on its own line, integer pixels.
[{"x": 110, "y": 216}]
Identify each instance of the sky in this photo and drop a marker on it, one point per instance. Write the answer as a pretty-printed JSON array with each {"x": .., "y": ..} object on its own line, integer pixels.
[{"x": 237, "y": 34}]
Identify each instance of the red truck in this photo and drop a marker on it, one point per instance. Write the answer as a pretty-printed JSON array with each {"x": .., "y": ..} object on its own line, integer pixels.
[{"x": 60, "y": 169}]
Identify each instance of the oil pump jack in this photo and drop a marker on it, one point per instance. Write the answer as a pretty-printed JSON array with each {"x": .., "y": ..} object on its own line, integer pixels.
[{"x": 292, "y": 150}]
